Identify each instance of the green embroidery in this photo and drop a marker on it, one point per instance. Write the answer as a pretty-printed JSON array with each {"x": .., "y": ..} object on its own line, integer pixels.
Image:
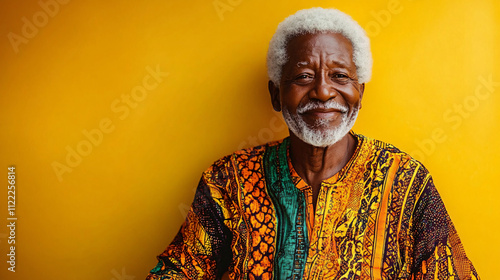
[{"x": 289, "y": 202}]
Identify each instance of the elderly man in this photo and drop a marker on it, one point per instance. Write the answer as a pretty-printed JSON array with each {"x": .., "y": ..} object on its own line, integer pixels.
[{"x": 325, "y": 202}]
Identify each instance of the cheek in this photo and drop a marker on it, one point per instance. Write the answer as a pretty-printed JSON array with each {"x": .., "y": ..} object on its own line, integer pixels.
[
  {"x": 352, "y": 96},
  {"x": 292, "y": 96}
]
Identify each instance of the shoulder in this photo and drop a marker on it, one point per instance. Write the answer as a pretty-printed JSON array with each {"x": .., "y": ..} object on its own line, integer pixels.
[
  {"x": 378, "y": 146},
  {"x": 383, "y": 151},
  {"x": 406, "y": 171},
  {"x": 409, "y": 179}
]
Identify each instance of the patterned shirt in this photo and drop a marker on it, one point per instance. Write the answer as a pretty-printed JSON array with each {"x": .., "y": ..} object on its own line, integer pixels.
[{"x": 379, "y": 217}]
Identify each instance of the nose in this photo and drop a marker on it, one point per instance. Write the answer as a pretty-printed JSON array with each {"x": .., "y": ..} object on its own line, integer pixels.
[{"x": 323, "y": 89}]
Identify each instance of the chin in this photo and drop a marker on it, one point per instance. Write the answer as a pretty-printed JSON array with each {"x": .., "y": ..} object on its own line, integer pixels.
[{"x": 320, "y": 138}]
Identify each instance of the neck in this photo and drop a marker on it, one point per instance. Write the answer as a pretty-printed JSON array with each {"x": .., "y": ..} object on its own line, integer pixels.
[{"x": 315, "y": 164}]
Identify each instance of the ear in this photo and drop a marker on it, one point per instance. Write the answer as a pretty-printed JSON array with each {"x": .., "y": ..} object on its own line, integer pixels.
[
  {"x": 274, "y": 91},
  {"x": 361, "y": 91}
]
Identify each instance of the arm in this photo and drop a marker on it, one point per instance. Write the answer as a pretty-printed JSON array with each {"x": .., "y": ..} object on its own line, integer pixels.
[
  {"x": 437, "y": 250},
  {"x": 201, "y": 248}
]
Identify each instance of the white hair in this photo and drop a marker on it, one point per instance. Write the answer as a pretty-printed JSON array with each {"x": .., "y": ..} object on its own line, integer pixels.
[{"x": 318, "y": 20}]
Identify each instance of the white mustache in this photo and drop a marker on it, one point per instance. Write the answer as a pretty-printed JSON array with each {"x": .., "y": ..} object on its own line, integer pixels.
[{"x": 330, "y": 104}]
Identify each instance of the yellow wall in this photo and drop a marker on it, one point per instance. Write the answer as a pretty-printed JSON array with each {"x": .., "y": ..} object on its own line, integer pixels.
[{"x": 71, "y": 72}]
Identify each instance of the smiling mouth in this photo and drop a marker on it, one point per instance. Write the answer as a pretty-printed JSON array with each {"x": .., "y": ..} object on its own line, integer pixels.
[
  {"x": 322, "y": 108},
  {"x": 322, "y": 113}
]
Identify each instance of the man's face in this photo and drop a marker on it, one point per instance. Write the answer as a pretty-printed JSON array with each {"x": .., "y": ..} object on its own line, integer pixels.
[{"x": 318, "y": 92}]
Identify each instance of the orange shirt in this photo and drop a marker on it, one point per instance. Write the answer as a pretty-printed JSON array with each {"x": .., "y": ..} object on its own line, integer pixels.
[{"x": 380, "y": 217}]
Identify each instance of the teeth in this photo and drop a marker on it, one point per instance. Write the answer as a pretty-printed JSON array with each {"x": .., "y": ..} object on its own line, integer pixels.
[{"x": 325, "y": 106}]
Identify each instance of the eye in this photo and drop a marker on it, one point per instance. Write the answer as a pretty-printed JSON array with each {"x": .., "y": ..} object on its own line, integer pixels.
[
  {"x": 303, "y": 78},
  {"x": 341, "y": 78}
]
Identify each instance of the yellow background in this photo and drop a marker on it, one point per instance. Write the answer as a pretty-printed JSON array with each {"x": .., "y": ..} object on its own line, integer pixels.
[{"x": 122, "y": 204}]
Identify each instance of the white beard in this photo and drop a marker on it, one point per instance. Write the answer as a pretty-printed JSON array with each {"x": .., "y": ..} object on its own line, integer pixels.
[{"x": 320, "y": 134}]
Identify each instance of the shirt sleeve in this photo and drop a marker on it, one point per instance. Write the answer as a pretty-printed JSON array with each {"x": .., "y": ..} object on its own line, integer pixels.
[
  {"x": 201, "y": 249},
  {"x": 437, "y": 252}
]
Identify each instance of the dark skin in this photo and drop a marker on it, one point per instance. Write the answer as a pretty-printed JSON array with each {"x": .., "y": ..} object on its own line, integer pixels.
[{"x": 320, "y": 67}]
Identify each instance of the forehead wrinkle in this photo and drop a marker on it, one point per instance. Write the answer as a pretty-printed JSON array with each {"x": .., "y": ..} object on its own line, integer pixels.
[
  {"x": 311, "y": 57},
  {"x": 343, "y": 59},
  {"x": 337, "y": 62}
]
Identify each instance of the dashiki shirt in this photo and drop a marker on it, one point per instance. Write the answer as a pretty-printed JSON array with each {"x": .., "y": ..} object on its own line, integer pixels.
[{"x": 380, "y": 217}]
